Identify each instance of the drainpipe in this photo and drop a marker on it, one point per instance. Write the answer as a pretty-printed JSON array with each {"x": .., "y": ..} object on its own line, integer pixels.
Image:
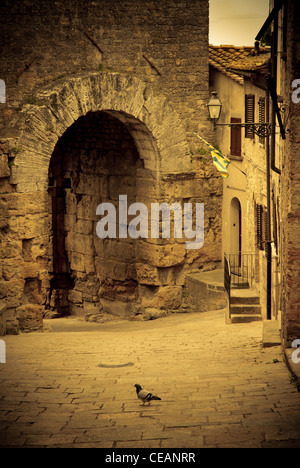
[
  {"x": 270, "y": 152},
  {"x": 270, "y": 158},
  {"x": 274, "y": 51},
  {"x": 268, "y": 233}
]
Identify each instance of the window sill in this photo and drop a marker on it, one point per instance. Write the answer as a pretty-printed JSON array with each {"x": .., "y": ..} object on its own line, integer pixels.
[{"x": 236, "y": 158}]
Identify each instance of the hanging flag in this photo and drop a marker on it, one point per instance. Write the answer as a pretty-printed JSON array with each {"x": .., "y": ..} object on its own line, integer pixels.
[{"x": 219, "y": 161}]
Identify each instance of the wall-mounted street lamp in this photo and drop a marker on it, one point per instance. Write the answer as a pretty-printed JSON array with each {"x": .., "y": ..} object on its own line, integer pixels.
[
  {"x": 214, "y": 107},
  {"x": 262, "y": 129}
]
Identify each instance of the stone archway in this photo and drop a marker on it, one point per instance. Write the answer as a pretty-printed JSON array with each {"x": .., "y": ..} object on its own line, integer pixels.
[
  {"x": 95, "y": 161},
  {"x": 160, "y": 143},
  {"x": 57, "y": 107}
]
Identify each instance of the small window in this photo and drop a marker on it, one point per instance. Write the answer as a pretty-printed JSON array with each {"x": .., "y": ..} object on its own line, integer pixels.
[
  {"x": 235, "y": 138},
  {"x": 249, "y": 114}
]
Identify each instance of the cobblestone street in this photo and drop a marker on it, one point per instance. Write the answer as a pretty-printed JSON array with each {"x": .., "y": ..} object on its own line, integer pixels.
[{"x": 74, "y": 386}]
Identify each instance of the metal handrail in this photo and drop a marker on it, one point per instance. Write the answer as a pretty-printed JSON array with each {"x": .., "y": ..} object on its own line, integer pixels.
[
  {"x": 227, "y": 276},
  {"x": 239, "y": 271},
  {"x": 242, "y": 268}
]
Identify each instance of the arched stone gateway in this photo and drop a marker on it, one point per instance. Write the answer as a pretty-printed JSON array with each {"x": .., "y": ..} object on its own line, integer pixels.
[
  {"x": 94, "y": 163},
  {"x": 86, "y": 140},
  {"x": 156, "y": 129}
]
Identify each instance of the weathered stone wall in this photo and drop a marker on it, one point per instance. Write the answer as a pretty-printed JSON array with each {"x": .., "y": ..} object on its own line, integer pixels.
[
  {"x": 52, "y": 38},
  {"x": 147, "y": 73},
  {"x": 290, "y": 204}
]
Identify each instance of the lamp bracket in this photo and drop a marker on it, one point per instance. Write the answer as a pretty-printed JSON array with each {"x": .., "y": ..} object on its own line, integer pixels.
[{"x": 263, "y": 130}]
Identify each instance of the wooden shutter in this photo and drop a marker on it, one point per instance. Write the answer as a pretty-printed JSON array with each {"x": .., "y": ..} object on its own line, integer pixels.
[
  {"x": 259, "y": 234},
  {"x": 275, "y": 231},
  {"x": 235, "y": 143},
  {"x": 262, "y": 114},
  {"x": 265, "y": 230},
  {"x": 249, "y": 114},
  {"x": 261, "y": 227}
]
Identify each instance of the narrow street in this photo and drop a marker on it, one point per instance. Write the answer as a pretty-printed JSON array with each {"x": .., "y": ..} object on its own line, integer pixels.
[{"x": 73, "y": 386}]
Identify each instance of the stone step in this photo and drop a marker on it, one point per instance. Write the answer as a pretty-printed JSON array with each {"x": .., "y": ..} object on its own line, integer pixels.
[
  {"x": 245, "y": 306},
  {"x": 238, "y": 286},
  {"x": 248, "y": 296},
  {"x": 245, "y": 318},
  {"x": 245, "y": 300},
  {"x": 245, "y": 309}
]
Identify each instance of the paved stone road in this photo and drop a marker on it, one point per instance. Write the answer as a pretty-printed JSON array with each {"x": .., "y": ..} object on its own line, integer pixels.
[{"x": 219, "y": 387}]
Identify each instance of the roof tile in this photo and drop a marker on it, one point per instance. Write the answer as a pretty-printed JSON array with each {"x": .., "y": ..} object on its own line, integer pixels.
[{"x": 230, "y": 59}]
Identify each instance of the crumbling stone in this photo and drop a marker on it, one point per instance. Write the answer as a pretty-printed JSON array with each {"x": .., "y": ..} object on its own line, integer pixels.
[{"x": 30, "y": 317}]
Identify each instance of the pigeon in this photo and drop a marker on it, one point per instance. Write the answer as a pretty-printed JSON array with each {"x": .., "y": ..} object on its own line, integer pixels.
[{"x": 144, "y": 395}]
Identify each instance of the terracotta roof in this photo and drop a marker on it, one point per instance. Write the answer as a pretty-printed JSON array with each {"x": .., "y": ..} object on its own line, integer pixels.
[{"x": 231, "y": 60}]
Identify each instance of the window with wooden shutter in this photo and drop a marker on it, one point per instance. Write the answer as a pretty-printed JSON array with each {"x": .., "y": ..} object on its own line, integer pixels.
[
  {"x": 275, "y": 224},
  {"x": 261, "y": 226},
  {"x": 259, "y": 233},
  {"x": 235, "y": 138},
  {"x": 265, "y": 235},
  {"x": 262, "y": 115},
  {"x": 249, "y": 114}
]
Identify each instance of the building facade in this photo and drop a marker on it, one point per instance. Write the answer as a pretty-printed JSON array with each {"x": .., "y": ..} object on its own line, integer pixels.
[
  {"x": 239, "y": 74},
  {"x": 283, "y": 23},
  {"x": 261, "y": 194}
]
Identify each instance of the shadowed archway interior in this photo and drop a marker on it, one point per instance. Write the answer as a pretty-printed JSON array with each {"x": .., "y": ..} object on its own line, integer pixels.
[{"x": 94, "y": 161}]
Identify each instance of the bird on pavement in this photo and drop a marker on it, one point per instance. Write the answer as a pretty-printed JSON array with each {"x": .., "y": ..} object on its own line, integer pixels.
[{"x": 144, "y": 395}]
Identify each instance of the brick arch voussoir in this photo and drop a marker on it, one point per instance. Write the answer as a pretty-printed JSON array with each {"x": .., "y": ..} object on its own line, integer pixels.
[{"x": 159, "y": 135}]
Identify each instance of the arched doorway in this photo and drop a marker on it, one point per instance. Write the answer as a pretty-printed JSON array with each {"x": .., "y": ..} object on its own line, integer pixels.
[
  {"x": 95, "y": 161},
  {"x": 235, "y": 226}
]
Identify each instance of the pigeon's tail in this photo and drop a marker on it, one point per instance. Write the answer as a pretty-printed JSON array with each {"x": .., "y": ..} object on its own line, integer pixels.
[{"x": 153, "y": 397}]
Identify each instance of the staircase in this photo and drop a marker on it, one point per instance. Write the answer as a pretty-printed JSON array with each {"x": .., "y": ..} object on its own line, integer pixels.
[
  {"x": 239, "y": 283},
  {"x": 244, "y": 306}
]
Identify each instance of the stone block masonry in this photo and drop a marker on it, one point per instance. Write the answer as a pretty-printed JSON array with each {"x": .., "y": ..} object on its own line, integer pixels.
[
  {"x": 102, "y": 99},
  {"x": 290, "y": 211},
  {"x": 54, "y": 39}
]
